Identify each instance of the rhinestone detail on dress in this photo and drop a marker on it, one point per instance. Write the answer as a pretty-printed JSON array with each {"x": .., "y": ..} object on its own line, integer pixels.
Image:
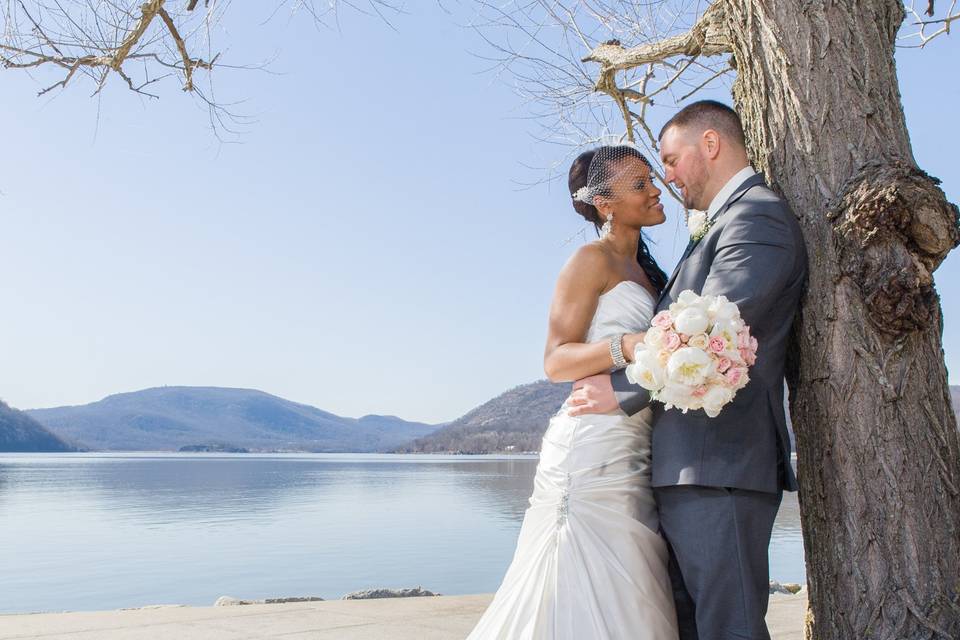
[{"x": 563, "y": 507}]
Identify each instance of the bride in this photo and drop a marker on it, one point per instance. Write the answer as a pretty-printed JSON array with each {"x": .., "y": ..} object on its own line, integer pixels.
[{"x": 589, "y": 563}]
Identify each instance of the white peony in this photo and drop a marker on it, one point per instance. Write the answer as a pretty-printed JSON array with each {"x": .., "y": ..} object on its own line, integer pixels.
[
  {"x": 726, "y": 329},
  {"x": 647, "y": 370},
  {"x": 691, "y": 321},
  {"x": 674, "y": 394},
  {"x": 688, "y": 298},
  {"x": 689, "y": 366},
  {"x": 723, "y": 310},
  {"x": 715, "y": 399}
]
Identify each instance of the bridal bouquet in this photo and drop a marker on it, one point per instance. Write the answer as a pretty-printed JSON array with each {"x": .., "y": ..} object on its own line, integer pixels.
[{"x": 695, "y": 355}]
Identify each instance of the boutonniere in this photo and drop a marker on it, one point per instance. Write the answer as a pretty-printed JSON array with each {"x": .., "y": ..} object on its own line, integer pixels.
[{"x": 698, "y": 224}]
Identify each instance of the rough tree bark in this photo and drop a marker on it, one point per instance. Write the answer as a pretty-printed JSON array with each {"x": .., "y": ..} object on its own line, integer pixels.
[
  {"x": 878, "y": 445},
  {"x": 877, "y": 439}
]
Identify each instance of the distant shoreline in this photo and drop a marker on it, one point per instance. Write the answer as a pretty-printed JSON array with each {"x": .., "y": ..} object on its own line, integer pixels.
[
  {"x": 505, "y": 454},
  {"x": 168, "y": 452}
]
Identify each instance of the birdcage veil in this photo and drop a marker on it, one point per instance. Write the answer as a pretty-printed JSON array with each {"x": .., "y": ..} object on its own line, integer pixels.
[{"x": 607, "y": 169}]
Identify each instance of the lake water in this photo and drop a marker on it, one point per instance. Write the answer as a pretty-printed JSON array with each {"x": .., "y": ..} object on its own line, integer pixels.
[{"x": 104, "y": 531}]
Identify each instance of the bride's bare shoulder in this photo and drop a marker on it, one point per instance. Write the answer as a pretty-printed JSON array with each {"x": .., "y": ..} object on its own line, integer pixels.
[
  {"x": 588, "y": 268},
  {"x": 593, "y": 256}
]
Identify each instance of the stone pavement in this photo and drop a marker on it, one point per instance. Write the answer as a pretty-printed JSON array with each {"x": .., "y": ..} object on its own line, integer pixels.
[{"x": 428, "y": 618}]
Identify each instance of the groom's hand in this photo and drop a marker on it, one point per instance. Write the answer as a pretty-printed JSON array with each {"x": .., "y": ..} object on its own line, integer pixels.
[{"x": 592, "y": 395}]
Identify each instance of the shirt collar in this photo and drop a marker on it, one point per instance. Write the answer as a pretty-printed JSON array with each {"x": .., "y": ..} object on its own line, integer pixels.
[{"x": 724, "y": 194}]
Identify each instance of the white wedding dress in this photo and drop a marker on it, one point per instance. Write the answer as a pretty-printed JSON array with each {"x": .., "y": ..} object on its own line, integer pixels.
[{"x": 589, "y": 563}]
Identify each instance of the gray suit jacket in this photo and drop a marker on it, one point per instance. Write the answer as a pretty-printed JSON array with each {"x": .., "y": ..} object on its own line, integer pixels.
[{"x": 754, "y": 254}]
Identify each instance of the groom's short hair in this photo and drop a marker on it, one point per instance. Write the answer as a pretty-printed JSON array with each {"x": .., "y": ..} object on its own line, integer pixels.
[{"x": 708, "y": 114}]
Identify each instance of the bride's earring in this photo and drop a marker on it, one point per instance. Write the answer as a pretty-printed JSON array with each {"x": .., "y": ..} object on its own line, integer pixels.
[{"x": 607, "y": 227}]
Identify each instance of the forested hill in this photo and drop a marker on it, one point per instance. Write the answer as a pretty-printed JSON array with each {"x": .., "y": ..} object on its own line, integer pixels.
[
  {"x": 20, "y": 432},
  {"x": 513, "y": 421},
  {"x": 216, "y": 418}
]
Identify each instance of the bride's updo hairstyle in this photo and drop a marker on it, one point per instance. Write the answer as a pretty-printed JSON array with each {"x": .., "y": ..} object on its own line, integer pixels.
[{"x": 577, "y": 179}]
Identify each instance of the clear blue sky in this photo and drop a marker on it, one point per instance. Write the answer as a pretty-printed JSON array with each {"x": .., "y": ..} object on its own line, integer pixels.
[{"x": 365, "y": 250}]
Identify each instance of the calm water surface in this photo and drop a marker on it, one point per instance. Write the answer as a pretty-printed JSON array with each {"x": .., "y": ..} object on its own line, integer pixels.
[{"x": 105, "y": 531}]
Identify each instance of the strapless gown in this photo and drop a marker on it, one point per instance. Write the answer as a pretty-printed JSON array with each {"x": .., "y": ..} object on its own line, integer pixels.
[{"x": 589, "y": 563}]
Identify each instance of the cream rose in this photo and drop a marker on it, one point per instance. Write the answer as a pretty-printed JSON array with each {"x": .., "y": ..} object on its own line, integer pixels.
[{"x": 654, "y": 338}]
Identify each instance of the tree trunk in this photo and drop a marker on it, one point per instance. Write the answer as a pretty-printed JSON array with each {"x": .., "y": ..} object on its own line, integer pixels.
[{"x": 877, "y": 439}]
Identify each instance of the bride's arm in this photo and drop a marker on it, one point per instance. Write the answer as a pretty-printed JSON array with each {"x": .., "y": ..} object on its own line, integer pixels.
[{"x": 567, "y": 356}]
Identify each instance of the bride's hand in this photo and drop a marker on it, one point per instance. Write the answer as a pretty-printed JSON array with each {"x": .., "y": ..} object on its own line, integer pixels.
[{"x": 630, "y": 342}]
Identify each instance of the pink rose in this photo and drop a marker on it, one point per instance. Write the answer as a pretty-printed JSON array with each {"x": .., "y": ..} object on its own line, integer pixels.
[
  {"x": 723, "y": 364},
  {"x": 717, "y": 344},
  {"x": 672, "y": 341},
  {"x": 748, "y": 356},
  {"x": 754, "y": 344},
  {"x": 734, "y": 376},
  {"x": 684, "y": 338},
  {"x": 699, "y": 392},
  {"x": 743, "y": 339},
  {"x": 663, "y": 320}
]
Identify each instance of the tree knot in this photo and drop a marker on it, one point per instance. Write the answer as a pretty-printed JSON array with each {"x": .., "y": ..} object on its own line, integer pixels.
[{"x": 893, "y": 227}]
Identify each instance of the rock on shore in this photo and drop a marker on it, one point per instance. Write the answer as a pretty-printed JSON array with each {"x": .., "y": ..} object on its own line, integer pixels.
[
  {"x": 370, "y": 594},
  {"x": 227, "y": 601},
  {"x": 366, "y": 594},
  {"x": 790, "y": 588}
]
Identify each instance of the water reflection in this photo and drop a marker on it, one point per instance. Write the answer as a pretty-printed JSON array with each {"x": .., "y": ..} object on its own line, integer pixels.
[
  {"x": 3, "y": 484},
  {"x": 500, "y": 487},
  {"x": 95, "y": 531}
]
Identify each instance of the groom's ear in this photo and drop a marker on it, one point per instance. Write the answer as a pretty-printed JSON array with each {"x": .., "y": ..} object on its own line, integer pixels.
[{"x": 710, "y": 144}]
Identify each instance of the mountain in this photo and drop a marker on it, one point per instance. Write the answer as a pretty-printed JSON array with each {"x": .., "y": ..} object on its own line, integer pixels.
[
  {"x": 210, "y": 418},
  {"x": 168, "y": 418},
  {"x": 20, "y": 432},
  {"x": 513, "y": 421}
]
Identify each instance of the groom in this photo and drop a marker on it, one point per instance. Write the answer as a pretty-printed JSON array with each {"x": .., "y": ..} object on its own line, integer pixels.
[{"x": 718, "y": 481}]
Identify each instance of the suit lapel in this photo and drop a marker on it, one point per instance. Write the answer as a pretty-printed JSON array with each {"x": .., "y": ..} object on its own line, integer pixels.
[{"x": 752, "y": 181}]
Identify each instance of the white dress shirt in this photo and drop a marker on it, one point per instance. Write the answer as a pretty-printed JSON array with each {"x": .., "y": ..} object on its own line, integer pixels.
[{"x": 724, "y": 194}]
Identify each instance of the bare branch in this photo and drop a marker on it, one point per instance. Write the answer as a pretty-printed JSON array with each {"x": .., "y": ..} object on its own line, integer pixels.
[
  {"x": 703, "y": 84},
  {"x": 149, "y": 10},
  {"x": 706, "y": 38},
  {"x": 93, "y": 40},
  {"x": 920, "y": 35},
  {"x": 188, "y": 63}
]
